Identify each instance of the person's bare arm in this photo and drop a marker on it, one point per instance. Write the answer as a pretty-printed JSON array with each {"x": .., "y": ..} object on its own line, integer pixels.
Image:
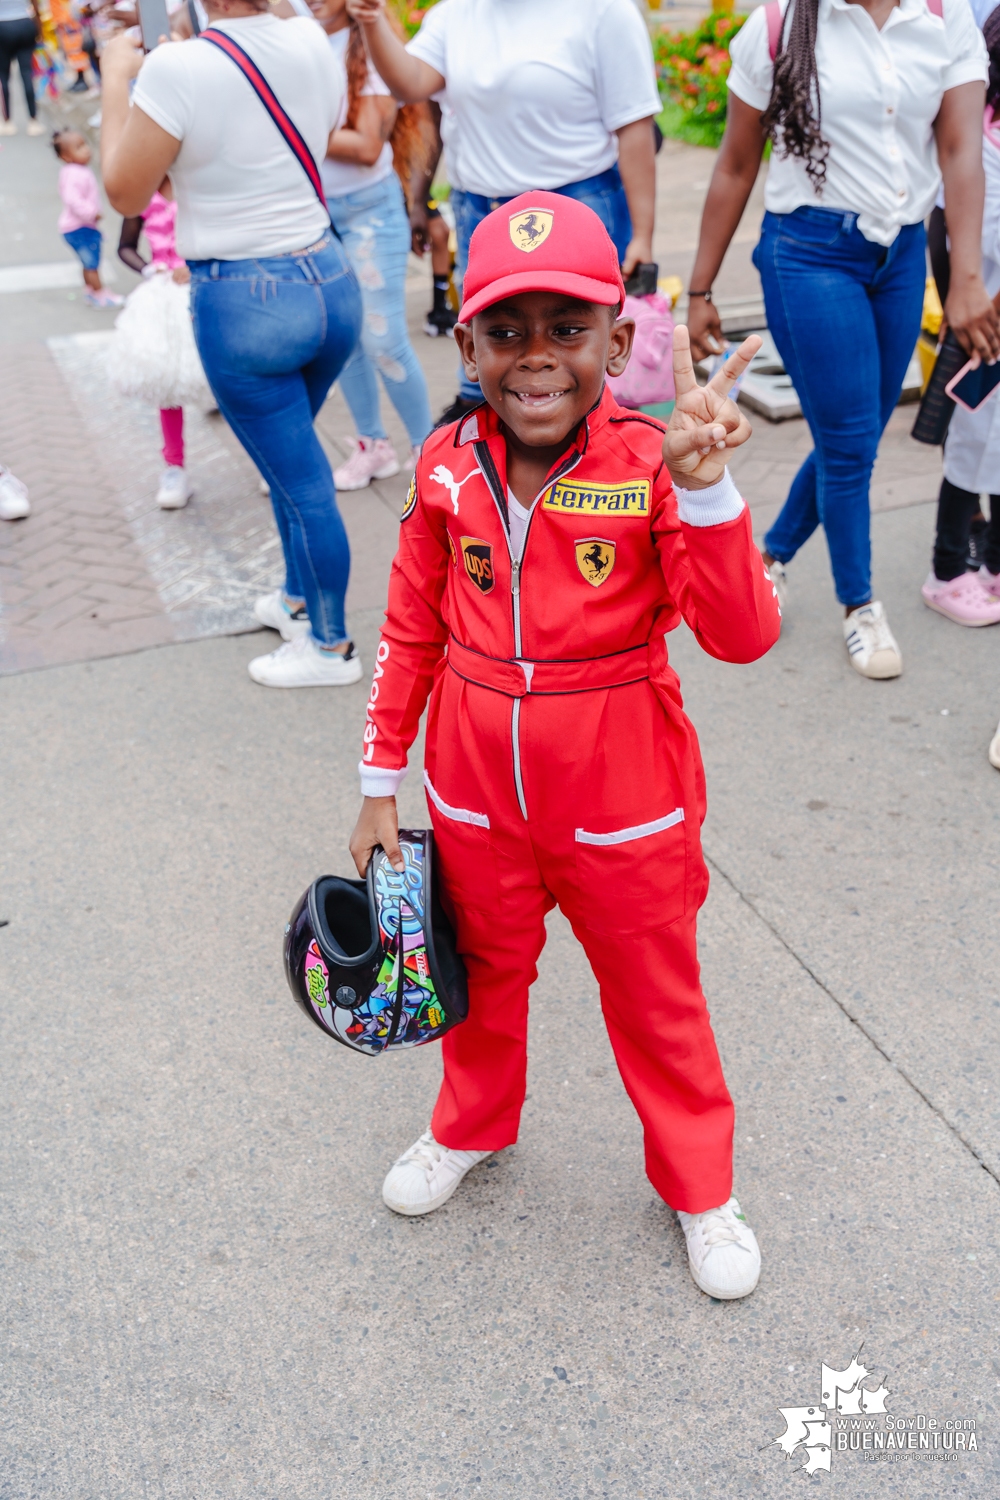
[
  {"x": 637, "y": 164},
  {"x": 364, "y": 141},
  {"x": 958, "y": 131},
  {"x": 733, "y": 178},
  {"x": 410, "y": 79},
  {"x": 136, "y": 154},
  {"x": 421, "y": 178}
]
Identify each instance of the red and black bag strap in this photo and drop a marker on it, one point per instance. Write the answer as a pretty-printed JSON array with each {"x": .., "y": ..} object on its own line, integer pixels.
[{"x": 286, "y": 127}]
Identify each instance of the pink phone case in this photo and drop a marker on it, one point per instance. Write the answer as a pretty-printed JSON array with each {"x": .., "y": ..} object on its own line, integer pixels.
[{"x": 949, "y": 388}]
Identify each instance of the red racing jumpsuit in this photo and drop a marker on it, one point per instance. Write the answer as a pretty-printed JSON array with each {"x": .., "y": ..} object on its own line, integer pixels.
[{"x": 560, "y": 766}]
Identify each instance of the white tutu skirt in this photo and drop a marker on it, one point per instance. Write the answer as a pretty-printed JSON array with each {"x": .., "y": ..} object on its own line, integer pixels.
[{"x": 153, "y": 355}]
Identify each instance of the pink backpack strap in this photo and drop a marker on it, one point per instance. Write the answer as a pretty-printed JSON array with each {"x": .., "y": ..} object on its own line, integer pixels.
[
  {"x": 774, "y": 18},
  {"x": 936, "y": 8}
]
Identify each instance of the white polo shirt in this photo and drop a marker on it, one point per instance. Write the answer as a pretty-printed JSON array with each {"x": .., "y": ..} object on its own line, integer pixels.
[
  {"x": 880, "y": 92},
  {"x": 535, "y": 89}
]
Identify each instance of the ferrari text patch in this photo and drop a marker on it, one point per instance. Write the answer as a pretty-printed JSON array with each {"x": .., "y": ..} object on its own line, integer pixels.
[
  {"x": 612, "y": 500},
  {"x": 411, "y": 499},
  {"x": 595, "y": 558},
  {"x": 530, "y": 229},
  {"x": 478, "y": 558}
]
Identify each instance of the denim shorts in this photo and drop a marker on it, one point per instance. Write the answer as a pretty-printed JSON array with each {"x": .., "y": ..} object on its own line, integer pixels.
[{"x": 86, "y": 241}]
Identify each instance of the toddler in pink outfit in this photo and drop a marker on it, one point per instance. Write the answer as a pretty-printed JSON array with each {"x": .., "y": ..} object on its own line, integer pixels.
[
  {"x": 81, "y": 201},
  {"x": 159, "y": 223}
]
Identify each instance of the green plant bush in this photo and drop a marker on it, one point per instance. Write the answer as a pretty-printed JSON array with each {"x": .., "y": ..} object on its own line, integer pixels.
[{"x": 692, "y": 67}]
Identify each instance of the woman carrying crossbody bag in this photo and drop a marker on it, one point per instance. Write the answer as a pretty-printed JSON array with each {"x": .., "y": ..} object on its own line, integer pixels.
[{"x": 275, "y": 304}]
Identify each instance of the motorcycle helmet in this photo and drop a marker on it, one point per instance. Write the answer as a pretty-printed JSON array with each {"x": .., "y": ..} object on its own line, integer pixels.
[{"x": 373, "y": 962}]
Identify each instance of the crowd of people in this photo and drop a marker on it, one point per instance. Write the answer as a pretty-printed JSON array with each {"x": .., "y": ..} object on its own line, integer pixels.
[{"x": 278, "y": 161}]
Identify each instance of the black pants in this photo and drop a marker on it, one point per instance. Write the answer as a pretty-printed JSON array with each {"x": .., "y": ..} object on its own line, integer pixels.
[
  {"x": 17, "y": 40},
  {"x": 956, "y": 509}
]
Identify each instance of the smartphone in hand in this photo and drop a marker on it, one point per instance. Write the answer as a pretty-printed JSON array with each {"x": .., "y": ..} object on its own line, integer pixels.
[
  {"x": 154, "y": 22},
  {"x": 974, "y": 382}
]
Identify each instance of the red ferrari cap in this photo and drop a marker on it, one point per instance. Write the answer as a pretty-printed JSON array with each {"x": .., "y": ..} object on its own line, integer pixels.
[{"x": 540, "y": 242}]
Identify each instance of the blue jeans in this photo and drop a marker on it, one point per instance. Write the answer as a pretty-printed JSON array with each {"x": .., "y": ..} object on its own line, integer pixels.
[
  {"x": 273, "y": 335},
  {"x": 375, "y": 228},
  {"x": 603, "y": 193},
  {"x": 86, "y": 243},
  {"x": 844, "y": 314}
]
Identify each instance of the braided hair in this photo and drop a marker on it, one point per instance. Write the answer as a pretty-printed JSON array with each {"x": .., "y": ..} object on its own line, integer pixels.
[
  {"x": 991, "y": 35},
  {"x": 793, "y": 116}
]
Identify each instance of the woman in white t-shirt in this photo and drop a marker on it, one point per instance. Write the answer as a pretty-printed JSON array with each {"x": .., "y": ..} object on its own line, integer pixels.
[
  {"x": 555, "y": 94},
  {"x": 275, "y": 302},
  {"x": 868, "y": 103},
  {"x": 373, "y": 140}
]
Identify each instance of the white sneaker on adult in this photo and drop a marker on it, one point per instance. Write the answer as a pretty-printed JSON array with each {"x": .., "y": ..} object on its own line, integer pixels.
[
  {"x": 301, "y": 663},
  {"x": 175, "y": 489},
  {"x": 7, "y": 127},
  {"x": 13, "y": 497},
  {"x": 870, "y": 643},
  {"x": 723, "y": 1253},
  {"x": 373, "y": 458},
  {"x": 273, "y": 611},
  {"x": 779, "y": 581},
  {"x": 426, "y": 1176},
  {"x": 994, "y": 750},
  {"x": 35, "y": 127}
]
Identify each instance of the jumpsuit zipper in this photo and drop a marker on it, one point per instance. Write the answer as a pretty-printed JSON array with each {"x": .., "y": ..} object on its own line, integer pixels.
[{"x": 515, "y": 591}]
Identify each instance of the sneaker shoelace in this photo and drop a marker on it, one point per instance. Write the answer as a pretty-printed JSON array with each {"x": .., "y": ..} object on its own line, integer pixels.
[
  {"x": 426, "y": 1153},
  {"x": 719, "y": 1227},
  {"x": 877, "y": 629}
]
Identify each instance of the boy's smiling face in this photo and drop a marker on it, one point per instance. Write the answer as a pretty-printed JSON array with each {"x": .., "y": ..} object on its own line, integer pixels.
[{"x": 541, "y": 358}]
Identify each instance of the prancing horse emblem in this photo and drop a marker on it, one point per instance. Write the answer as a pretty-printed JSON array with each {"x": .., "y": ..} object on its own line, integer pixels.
[
  {"x": 530, "y": 229},
  {"x": 595, "y": 558}
]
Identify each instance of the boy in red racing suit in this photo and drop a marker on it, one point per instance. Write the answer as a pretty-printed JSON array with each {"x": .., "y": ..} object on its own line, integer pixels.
[{"x": 544, "y": 553}]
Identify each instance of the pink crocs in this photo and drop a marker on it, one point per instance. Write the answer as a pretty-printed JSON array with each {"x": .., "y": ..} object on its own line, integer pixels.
[{"x": 966, "y": 599}]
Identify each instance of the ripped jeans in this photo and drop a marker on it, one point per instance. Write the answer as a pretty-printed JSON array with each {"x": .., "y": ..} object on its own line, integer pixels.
[{"x": 375, "y": 230}]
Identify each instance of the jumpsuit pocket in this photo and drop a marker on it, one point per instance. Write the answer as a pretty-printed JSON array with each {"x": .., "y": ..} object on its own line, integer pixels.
[
  {"x": 466, "y": 859},
  {"x": 633, "y": 879}
]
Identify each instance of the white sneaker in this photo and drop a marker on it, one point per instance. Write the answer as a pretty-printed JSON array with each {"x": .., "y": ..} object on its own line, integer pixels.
[
  {"x": 723, "y": 1253},
  {"x": 426, "y": 1176},
  {"x": 779, "y": 580},
  {"x": 175, "y": 489},
  {"x": 870, "y": 643},
  {"x": 13, "y": 497},
  {"x": 7, "y": 127},
  {"x": 272, "y": 610},
  {"x": 35, "y": 127},
  {"x": 373, "y": 458},
  {"x": 301, "y": 663},
  {"x": 994, "y": 750}
]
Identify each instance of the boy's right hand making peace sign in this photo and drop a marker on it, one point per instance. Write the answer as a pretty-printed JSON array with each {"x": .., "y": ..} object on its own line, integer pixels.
[{"x": 705, "y": 424}]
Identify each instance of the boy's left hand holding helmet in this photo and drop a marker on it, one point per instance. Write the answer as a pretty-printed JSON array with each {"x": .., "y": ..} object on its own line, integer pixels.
[{"x": 705, "y": 424}]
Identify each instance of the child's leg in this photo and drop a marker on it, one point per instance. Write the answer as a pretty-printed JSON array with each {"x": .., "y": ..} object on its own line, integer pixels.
[
  {"x": 666, "y": 1053},
  {"x": 992, "y": 557},
  {"x": 956, "y": 508},
  {"x": 172, "y": 426},
  {"x": 486, "y": 1058}
]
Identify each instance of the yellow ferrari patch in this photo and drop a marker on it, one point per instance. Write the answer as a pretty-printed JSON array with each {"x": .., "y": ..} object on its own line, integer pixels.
[
  {"x": 595, "y": 558},
  {"x": 530, "y": 229},
  {"x": 411, "y": 499},
  {"x": 614, "y": 501}
]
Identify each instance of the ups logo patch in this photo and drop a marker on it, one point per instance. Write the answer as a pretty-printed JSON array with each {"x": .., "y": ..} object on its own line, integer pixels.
[
  {"x": 595, "y": 558},
  {"x": 477, "y": 556}
]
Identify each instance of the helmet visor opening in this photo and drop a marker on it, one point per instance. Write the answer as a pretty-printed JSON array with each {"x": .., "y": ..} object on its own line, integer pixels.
[{"x": 345, "y": 917}]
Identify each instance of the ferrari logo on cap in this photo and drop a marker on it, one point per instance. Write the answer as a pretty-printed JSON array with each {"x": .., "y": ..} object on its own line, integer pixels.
[
  {"x": 530, "y": 229},
  {"x": 595, "y": 558},
  {"x": 478, "y": 558}
]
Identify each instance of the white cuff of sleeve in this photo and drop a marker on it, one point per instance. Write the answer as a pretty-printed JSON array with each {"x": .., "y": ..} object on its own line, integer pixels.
[
  {"x": 711, "y": 506},
  {"x": 377, "y": 782}
]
